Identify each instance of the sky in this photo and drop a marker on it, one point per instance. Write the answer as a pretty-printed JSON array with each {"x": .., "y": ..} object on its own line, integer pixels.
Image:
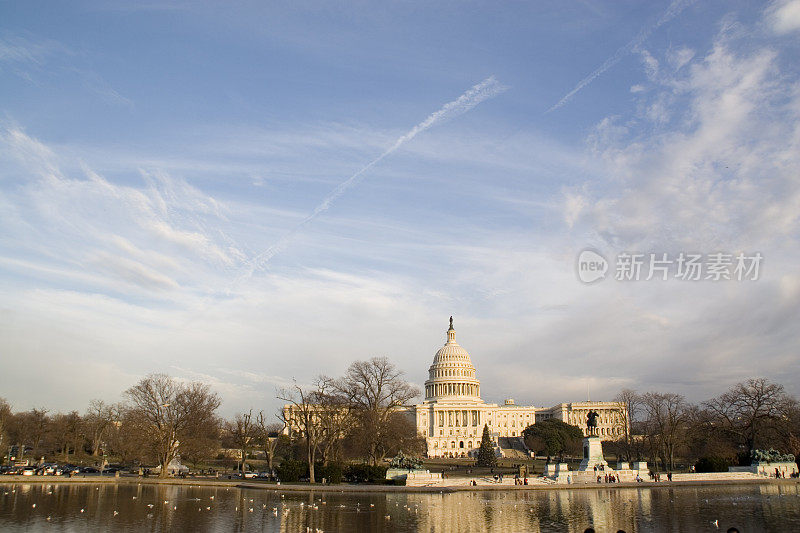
[{"x": 251, "y": 193}]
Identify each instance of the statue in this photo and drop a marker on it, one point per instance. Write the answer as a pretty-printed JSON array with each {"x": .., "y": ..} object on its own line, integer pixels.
[
  {"x": 591, "y": 423},
  {"x": 770, "y": 456},
  {"x": 451, "y": 322},
  {"x": 404, "y": 462}
]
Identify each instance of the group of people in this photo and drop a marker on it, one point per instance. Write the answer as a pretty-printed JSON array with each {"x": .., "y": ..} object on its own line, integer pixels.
[
  {"x": 781, "y": 474},
  {"x": 656, "y": 476},
  {"x": 608, "y": 478}
]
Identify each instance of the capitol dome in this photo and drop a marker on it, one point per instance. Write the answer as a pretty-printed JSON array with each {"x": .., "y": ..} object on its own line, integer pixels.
[{"x": 452, "y": 374}]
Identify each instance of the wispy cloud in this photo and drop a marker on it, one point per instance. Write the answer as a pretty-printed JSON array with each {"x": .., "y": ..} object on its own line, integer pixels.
[
  {"x": 784, "y": 16},
  {"x": 674, "y": 9},
  {"x": 484, "y": 90}
]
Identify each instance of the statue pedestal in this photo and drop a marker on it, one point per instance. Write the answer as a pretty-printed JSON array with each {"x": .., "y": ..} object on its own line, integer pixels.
[{"x": 592, "y": 455}]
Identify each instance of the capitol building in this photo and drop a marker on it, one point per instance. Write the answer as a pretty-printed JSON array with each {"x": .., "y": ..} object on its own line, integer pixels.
[{"x": 452, "y": 416}]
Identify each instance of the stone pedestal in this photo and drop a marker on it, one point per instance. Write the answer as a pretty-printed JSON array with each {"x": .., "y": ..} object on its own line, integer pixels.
[{"x": 592, "y": 454}]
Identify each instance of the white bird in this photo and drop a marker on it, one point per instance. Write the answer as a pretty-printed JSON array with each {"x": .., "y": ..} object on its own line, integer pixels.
[
  {"x": 34, "y": 506},
  {"x": 116, "y": 513},
  {"x": 715, "y": 523},
  {"x": 208, "y": 508},
  {"x": 82, "y": 510}
]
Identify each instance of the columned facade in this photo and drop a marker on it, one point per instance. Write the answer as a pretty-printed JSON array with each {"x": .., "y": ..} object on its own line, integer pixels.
[{"x": 453, "y": 414}]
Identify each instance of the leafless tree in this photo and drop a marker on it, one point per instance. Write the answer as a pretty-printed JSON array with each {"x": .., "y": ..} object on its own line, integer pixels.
[
  {"x": 35, "y": 427},
  {"x": 632, "y": 402},
  {"x": 268, "y": 435},
  {"x": 68, "y": 432},
  {"x": 5, "y": 418},
  {"x": 666, "y": 418},
  {"x": 375, "y": 390},
  {"x": 302, "y": 415},
  {"x": 243, "y": 431},
  {"x": 750, "y": 409},
  {"x": 98, "y": 419},
  {"x": 170, "y": 412}
]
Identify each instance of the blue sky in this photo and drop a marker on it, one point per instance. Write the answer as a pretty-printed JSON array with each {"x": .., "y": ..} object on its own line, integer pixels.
[{"x": 148, "y": 153}]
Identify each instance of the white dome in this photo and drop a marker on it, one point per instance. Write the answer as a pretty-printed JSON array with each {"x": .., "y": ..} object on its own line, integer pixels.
[{"x": 452, "y": 374}]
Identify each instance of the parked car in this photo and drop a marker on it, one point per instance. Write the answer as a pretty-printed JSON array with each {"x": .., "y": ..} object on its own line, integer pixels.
[
  {"x": 89, "y": 470},
  {"x": 28, "y": 470},
  {"x": 70, "y": 469}
]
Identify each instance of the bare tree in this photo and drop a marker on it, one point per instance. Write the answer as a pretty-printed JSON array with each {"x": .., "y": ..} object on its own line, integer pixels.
[
  {"x": 749, "y": 409},
  {"x": 375, "y": 390},
  {"x": 99, "y": 417},
  {"x": 301, "y": 415},
  {"x": 242, "y": 430},
  {"x": 667, "y": 415},
  {"x": 5, "y": 418},
  {"x": 170, "y": 412},
  {"x": 268, "y": 436},
  {"x": 34, "y": 426},
  {"x": 632, "y": 402},
  {"x": 68, "y": 430}
]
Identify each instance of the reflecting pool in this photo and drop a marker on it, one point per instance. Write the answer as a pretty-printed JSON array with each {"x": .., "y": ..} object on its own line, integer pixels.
[{"x": 147, "y": 507}]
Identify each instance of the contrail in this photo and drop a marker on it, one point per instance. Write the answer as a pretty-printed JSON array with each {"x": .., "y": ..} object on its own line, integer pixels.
[
  {"x": 672, "y": 11},
  {"x": 484, "y": 90}
]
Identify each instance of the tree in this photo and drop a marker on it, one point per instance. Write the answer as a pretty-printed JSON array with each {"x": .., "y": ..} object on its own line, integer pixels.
[
  {"x": 667, "y": 416},
  {"x": 5, "y": 418},
  {"x": 486, "y": 456},
  {"x": 98, "y": 419},
  {"x": 268, "y": 438},
  {"x": 242, "y": 430},
  {"x": 553, "y": 437},
  {"x": 31, "y": 428},
  {"x": 68, "y": 430},
  {"x": 204, "y": 446},
  {"x": 169, "y": 413},
  {"x": 374, "y": 391},
  {"x": 632, "y": 402},
  {"x": 334, "y": 419},
  {"x": 300, "y": 415},
  {"x": 750, "y": 410}
]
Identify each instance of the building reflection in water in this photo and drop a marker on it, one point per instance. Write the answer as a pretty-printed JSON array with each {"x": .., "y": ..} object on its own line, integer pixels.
[{"x": 145, "y": 507}]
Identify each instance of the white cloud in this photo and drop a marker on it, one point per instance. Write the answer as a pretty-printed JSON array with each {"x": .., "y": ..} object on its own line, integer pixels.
[
  {"x": 784, "y": 16},
  {"x": 679, "y": 57}
]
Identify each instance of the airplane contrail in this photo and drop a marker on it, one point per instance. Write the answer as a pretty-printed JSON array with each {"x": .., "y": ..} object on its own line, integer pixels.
[
  {"x": 484, "y": 90},
  {"x": 672, "y": 11}
]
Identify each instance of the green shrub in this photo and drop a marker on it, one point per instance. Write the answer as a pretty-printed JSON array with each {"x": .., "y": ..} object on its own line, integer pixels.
[
  {"x": 332, "y": 472},
  {"x": 712, "y": 464},
  {"x": 363, "y": 473},
  {"x": 289, "y": 471}
]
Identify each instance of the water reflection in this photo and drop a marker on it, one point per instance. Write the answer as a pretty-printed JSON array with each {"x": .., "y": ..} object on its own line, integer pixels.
[{"x": 143, "y": 507}]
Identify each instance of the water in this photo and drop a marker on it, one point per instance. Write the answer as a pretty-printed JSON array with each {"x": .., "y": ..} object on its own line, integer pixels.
[{"x": 85, "y": 507}]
